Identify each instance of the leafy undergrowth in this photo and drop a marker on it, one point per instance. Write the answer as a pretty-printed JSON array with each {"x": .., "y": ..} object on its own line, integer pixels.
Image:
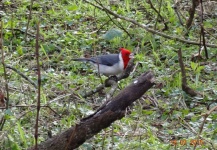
[{"x": 71, "y": 29}]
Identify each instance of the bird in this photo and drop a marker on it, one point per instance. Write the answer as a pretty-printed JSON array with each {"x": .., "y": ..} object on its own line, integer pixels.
[{"x": 110, "y": 64}]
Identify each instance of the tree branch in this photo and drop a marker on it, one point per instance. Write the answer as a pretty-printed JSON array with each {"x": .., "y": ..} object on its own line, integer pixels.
[{"x": 185, "y": 87}]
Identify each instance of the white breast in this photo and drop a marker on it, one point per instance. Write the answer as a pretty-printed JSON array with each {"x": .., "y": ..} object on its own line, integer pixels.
[{"x": 111, "y": 70}]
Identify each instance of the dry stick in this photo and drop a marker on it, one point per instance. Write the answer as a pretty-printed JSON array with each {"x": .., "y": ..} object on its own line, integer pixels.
[
  {"x": 5, "y": 75},
  {"x": 45, "y": 106},
  {"x": 96, "y": 90},
  {"x": 191, "y": 13},
  {"x": 206, "y": 115},
  {"x": 30, "y": 34},
  {"x": 202, "y": 33},
  {"x": 188, "y": 126},
  {"x": 12, "y": 28},
  {"x": 100, "y": 27},
  {"x": 158, "y": 14},
  {"x": 185, "y": 87},
  {"x": 29, "y": 18},
  {"x": 177, "y": 13},
  {"x": 97, "y": 59},
  {"x": 112, "y": 136},
  {"x": 39, "y": 85},
  {"x": 112, "y": 90},
  {"x": 149, "y": 29},
  {"x": 22, "y": 75},
  {"x": 184, "y": 80}
]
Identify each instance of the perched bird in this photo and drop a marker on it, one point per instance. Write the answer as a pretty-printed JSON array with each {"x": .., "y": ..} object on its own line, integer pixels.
[{"x": 111, "y": 64}]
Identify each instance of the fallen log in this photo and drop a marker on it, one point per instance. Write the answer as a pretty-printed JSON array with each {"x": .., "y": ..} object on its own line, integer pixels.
[{"x": 111, "y": 111}]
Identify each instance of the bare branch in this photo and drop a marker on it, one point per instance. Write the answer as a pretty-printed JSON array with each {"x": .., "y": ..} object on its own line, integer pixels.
[
  {"x": 39, "y": 85},
  {"x": 185, "y": 87}
]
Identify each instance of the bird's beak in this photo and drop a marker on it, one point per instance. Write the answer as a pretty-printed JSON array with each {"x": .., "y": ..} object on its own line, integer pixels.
[{"x": 132, "y": 55}]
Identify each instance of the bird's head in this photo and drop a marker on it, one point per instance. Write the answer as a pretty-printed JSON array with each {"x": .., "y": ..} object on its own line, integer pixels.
[{"x": 126, "y": 56}]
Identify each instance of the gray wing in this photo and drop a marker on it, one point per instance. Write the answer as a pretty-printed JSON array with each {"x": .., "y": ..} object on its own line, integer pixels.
[{"x": 108, "y": 60}]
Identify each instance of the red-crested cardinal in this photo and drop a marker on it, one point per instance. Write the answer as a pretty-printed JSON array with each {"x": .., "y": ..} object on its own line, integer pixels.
[{"x": 110, "y": 64}]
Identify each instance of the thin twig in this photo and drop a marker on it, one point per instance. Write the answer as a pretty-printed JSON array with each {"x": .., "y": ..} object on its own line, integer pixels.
[
  {"x": 96, "y": 90},
  {"x": 185, "y": 87},
  {"x": 191, "y": 13},
  {"x": 5, "y": 75},
  {"x": 158, "y": 14},
  {"x": 117, "y": 24},
  {"x": 202, "y": 33},
  {"x": 178, "y": 13},
  {"x": 188, "y": 126},
  {"x": 58, "y": 98},
  {"x": 12, "y": 28},
  {"x": 28, "y": 33},
  {"x": 39, "y": 85},
  {"x": 29, "y": 18},
  {"x": 205, "y": 116},
  {"x": 22, "y": 75},
  {"x": 184, "y": 80},
  {"x": 113, "y": 83}
]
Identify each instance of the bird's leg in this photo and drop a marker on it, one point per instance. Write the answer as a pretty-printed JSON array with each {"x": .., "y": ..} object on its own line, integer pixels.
[{"x": 99, "y": 72}]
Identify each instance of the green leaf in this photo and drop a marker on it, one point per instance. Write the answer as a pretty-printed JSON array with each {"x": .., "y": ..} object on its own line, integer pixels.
[
  {"x": 19, "y": 50},
  {"x": 44, "y": 50},
  {"x": 194, "y": 66},
  {"x": 111, "y": 34},
  {"x": 72, "y": 7},
  {"x": 22, "y": 134}
]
